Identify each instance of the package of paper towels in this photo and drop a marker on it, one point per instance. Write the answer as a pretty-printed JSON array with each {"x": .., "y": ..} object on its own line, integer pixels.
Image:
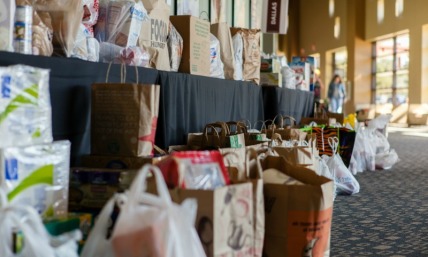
[
  {"x": 25, "y": 106},
  {"x": 38, "y": 176}
]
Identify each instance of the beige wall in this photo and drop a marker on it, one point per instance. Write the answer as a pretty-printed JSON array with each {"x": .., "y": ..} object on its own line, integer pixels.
[{"x": 312, "y": 32}]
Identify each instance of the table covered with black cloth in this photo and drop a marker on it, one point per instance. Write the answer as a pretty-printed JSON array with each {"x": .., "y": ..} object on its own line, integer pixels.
[
  {"x": 187, "y": 102},
  {"x": 285, "y": 101}
]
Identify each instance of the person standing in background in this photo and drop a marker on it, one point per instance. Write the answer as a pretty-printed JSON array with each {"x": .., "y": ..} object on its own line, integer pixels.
[
  {"x": 336, "y": 94},
  {"x": 318, "y": 87}
]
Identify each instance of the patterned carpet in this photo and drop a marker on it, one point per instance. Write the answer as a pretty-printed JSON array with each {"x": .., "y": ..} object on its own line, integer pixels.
[{"x": 389, "y": 217}]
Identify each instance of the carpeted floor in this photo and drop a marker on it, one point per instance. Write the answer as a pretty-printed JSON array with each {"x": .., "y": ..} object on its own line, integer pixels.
[{"x": 389, "y": 217}]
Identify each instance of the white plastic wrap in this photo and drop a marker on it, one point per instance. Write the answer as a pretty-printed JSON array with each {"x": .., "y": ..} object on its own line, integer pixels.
[
  {"x": 93, "y": 47},
  {"x": 7, "y": 23},
  {"x": 238, "y": 47},
  {"x": 345, "y": 182},
  {"x": 288, "y": 77},
  {"x": 120, "y": 22},
  {"x": 80, "y": 49},
  {"x": 134, "y": 55},
  {"x": 90, "y": 14},
  {"x": 25, "y": 106},
  {"x": 175, "y": 47},
  {"x": 37, "y": 176},
  {"x": 216, "y": 67}
]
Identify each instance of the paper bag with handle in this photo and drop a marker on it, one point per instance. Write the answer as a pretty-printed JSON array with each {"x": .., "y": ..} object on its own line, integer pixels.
[
  {"x": 124, "y": 118},
  {"x": 287, "y": 132},
  {"x": 298, "y": 217}
]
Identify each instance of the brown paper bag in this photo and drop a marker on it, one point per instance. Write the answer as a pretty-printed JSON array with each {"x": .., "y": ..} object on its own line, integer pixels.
[
  {"x": 66, "y": 20},
  {"x": 222, "y": 32},
  {"x": 224, "y": 218},
  {"x": 287, "y": 132},
  {"x": 298, "y": 217},
  {"x": 251, "y": 53},
  {"x": 154, "y": 34},
  {"x": 124, "y": 119}
]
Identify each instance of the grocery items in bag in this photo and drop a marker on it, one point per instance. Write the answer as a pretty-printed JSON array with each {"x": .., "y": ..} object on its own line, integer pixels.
[
  {"x": 23, "y": 234},
  {"x": 90, "y": 14},
  {"x": 7, "y": 23},
  {"x": 37, "y": 176},
  {"x": 175, "y": 47},
  {"x": 42, "y": 34},
  {"x": 216, "y": 67},
  {"x": 222, "y": 32},
  {"x": 345, "y": 182},
  {"x": 66, "y": 17},
  {"x": 120, "y": 22},
  {"x": 25, "y": 107},
  {"x": 251, "y": 53},
  {"x": 124, "y": 118},
  {"x": 154, "y": 34},
  {"x": 91, "y": 188},
  {"x": 238, "y": 46},
  {"x": 195, "y": 170},
  {"x": 150, "y": 225}
]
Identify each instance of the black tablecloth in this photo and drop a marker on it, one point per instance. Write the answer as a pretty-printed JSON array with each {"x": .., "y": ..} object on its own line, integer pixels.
[
  {"x": 187, "y": 102},
  {"x": 290, "y": 102}
]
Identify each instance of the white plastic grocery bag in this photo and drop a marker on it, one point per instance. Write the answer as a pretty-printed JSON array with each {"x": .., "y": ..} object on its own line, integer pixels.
[
  {"x": 25, "y": 221},
  {"x": 345, "y": 182},
  {"x": 154, "y": 226},
  {"x": 98, "y": 243}
]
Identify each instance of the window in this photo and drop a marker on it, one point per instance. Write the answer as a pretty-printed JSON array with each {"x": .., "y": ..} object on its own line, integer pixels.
[
  {"x": 390, "y": 70},
  {"x": 340, "y": 64}
]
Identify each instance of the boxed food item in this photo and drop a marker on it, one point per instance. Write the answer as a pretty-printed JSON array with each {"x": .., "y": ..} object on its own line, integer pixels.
[
  {"x": 90, "y": 189},
  {"x": 119, "y": 162},
  {"x": 303, "y": 73},
  {"x": 196, "y": 37},
  {"x": 124, "y": 21},
  {"x": 271, "y": 79},
  {"x": 25, "y": 107},
  {"x": 312, "y": 65},
  {"x": 37, "y": 176},
  {"x": 7, "y": 20}
]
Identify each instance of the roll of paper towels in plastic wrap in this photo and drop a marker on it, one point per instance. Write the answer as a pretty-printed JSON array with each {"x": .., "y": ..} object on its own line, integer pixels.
[
  {"x": 25, "y": 106},
  {"x": 37, "y": 176}
]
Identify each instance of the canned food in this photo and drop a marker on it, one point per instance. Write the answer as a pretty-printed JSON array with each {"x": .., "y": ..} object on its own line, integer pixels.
[{"x": 22, "y": 29}]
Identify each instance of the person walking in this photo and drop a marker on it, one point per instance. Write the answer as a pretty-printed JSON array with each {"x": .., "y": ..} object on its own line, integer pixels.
[{"x": 336, "y": 94}]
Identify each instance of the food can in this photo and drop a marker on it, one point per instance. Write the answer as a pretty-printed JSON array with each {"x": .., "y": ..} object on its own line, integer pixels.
[{"x": 22, "y": 30}]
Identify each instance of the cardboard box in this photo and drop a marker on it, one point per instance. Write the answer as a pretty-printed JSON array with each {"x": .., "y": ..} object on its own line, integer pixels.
[
  {"x": 90, "y": 189},
  {"x": 7, "y": 14},
  {"x": 118, "y": 162},
  {"x": 196, "y": 41},
  {"x": 271, "y": 79}
]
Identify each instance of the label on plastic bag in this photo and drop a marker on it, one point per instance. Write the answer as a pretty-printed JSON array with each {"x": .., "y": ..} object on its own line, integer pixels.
[
  {"x": 204, "y": 176},
  {"x": 11, "y": 167},
  {"x": 5, "y": 86}
]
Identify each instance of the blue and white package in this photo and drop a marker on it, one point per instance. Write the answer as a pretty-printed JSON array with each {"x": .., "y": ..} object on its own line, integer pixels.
[
  {"x": 37, "y": 176},
  {"x": 25, "y": 106},
  {"x": 216, "y": 67}
]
